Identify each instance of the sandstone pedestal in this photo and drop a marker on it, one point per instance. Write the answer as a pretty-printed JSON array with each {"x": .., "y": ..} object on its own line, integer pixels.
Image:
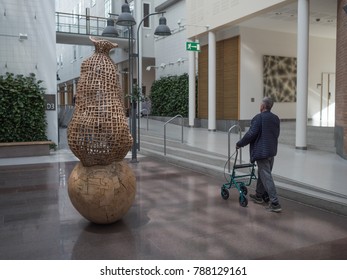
[{"x": 102, "y": 194}]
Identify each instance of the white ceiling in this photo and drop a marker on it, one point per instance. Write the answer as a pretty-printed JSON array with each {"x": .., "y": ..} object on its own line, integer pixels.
[{"x": 322, "y": 19}]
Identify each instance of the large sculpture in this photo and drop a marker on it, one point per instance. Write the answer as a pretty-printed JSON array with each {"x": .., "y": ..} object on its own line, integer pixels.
[{"x": 102, "y": 186}]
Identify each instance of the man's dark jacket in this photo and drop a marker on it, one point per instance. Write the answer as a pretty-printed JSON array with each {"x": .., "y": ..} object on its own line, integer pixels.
[{"x": 262, "y": 136}]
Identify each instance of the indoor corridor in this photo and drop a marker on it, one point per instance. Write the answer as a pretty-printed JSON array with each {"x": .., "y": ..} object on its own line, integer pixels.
[{"x": 177, "y": 214}]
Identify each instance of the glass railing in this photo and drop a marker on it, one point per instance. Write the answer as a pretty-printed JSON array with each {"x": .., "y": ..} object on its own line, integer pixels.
[{"x": 83, "y": 24}]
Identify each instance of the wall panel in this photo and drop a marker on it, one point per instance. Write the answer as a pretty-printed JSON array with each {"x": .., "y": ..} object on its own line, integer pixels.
[{"x": 227, "y": 83}]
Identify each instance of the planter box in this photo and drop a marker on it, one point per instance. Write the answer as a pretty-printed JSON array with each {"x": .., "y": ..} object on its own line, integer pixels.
[{"x": 24, "y": 149}]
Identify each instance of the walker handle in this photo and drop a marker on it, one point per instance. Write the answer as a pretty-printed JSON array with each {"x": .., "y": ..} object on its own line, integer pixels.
[{"x": 236, "y": 154}]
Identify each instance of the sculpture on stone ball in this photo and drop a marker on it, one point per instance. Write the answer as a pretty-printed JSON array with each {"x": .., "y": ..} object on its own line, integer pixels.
[{"x": 102, "y": 186}]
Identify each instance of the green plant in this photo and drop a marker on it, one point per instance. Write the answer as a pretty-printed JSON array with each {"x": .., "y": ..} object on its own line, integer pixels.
[
  {"x": 169, "y": 96},
  {"x": 137, "y": 96},
  {"x": 22, "y": 109}
]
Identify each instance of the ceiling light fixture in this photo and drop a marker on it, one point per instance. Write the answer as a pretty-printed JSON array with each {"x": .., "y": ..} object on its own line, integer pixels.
[{"x": 110, "y": 30}]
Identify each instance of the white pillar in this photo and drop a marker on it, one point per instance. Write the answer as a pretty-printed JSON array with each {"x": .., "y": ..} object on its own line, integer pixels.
[
  {"x": 211, "y": 81},
  {"x": 302, "y": 74},
  {"x": 192, "y": 92}
]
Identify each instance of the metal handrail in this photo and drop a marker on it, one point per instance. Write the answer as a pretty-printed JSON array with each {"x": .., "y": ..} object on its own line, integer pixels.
[
  {"x": 147, "y": 113},
  {"x": 175, "y": 117},
  {"x": 80, "y": 24},
  {"x": 83, "y": 24},
  {"x": 229, "y": 132}
]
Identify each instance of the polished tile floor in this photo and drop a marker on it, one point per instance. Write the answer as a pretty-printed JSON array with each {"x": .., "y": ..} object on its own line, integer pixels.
[{"x": 177, "y": 214}]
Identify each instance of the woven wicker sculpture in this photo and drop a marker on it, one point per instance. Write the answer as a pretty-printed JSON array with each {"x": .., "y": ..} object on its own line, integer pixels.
[
  {"x": 102, "y": 186},
  {"x": 98, "y": 133}
]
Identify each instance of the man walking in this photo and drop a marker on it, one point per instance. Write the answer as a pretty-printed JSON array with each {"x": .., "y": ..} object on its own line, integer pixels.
[{"x": 263, "y": 139}]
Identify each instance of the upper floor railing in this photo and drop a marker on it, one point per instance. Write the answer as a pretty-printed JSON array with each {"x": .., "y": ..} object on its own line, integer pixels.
[{"x": 84, "y": 25}]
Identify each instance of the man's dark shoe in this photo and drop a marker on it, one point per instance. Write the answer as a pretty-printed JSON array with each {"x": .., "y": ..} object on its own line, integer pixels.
[
  {"x": 256, "y": 199},
  {"x": 266, "y": 197},
  {"x": 274, "y": 207}
]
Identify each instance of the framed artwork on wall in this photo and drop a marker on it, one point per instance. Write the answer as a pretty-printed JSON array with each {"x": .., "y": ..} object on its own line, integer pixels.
[{"x": 279, "y": 78}]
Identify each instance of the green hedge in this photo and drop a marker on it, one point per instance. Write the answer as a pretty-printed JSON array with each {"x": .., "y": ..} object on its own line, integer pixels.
[
  {"x": 22, "y": 109},
  {"x": 169, "y": 96}
]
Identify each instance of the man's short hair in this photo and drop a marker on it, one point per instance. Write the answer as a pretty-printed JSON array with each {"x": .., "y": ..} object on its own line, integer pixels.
[{"x": 268, "y": 103}]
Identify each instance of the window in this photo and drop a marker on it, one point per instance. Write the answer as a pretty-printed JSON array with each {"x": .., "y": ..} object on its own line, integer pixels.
[
  {"x": 79, "y": 50},
  {"x": 131, "y": 5},
  {"x": 74, "y": 13},
  {"x": 146, "y": 13},
  {"x": 108, "y": 8},
  {"x": 61, "y": 61},
  {"x": 92, "y": 3},
  {"x": 80, "y": 8},
  {"x": 74, "y": 53}
]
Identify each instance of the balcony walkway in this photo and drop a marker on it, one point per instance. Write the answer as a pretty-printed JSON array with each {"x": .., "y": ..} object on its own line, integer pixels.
[{"x": 75, "y": 30}]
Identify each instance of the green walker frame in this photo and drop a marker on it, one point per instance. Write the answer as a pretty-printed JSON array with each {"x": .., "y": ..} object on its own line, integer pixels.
[{"x": 240, "y": 181}]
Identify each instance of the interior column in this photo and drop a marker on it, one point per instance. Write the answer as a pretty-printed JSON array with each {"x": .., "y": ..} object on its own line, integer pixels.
[
  {"x": 211, "y": 81},
  {"x": 192, "y": 91},
  {"x": 302, "y": 74}
]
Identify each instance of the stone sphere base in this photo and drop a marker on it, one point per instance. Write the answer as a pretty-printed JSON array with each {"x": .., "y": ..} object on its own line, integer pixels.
[{"x": 102, "y": 194}]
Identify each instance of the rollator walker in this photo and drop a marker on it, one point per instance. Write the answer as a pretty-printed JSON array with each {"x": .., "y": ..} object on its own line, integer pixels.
[{"x": 240, "y": 178}]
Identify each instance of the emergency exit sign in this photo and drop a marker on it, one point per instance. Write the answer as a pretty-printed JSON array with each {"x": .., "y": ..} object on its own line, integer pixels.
[{"x": 193, "y": 46}]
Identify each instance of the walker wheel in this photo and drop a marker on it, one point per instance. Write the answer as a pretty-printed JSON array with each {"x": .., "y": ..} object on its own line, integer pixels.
[
  {"x": 243, "y": 201},
  {"x": 244, "y": 190},
  {"x": 225, "y": 194}
]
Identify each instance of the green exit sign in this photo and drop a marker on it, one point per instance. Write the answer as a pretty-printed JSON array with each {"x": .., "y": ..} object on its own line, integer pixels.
[{"x": 193, "y": 46}]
